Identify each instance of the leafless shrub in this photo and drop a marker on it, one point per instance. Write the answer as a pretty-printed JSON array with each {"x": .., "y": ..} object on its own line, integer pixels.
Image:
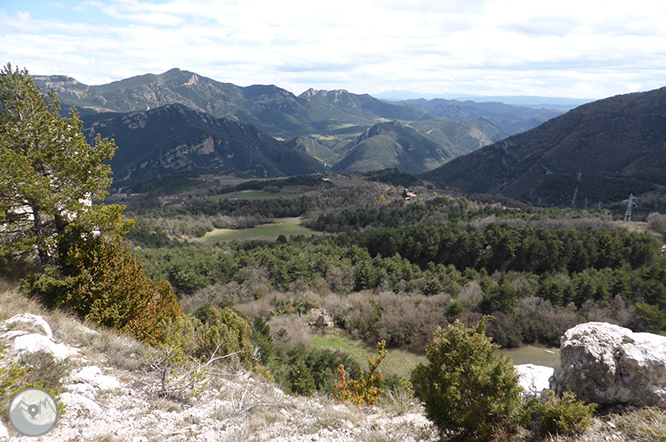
[
  {"x": 492, "y": 219},
  {"x": 341, "y": 279},
  {"x": 573, "y": 223},
  {"x": 657, "y": 222},
  {"x": 290, "y": 329},
  {"x": 256, "y": 285},
  {"x": 617, "y": 312},
  {"x": 213, "y": 294},
  {"x": 471, "y": 295}
]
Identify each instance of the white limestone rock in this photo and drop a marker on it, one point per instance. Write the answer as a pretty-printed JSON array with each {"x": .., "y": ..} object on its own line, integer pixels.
[
  {"x": 4, "y": 432},
  {"x": 534, "y": 378},
  {"x": 79, "y": 402},
  {"x": 30, "y": 323},
  {"x": 30, "y": 333},
  {"x": 34, "y": 343},
  {"x": 608, "y": 364},
  {"x": 86, "y": 390},
  {"x": 94, "y": 376}
]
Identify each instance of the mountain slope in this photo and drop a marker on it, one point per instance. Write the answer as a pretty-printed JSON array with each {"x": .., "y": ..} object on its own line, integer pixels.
[
  {"x": 393, "y": 145},
  {"x": 605, "y": 149},
  {"x": 323, "y": 124},
  {"x": 311, "y": 147},
  {"x": 511, "y": 119},
  {"x": 460, "y": 137},
  {"x": 176, "y": 138},
  {"x": 363, "y": 105}
]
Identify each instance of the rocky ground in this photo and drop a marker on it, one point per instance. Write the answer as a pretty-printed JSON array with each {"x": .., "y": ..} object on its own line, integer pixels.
[
  {"x": 110, "y": 395},
  {"x": 109, "y": 390}
]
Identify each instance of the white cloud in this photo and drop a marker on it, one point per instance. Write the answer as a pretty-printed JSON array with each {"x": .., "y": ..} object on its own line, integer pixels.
[{"x": 592, "y": 48}]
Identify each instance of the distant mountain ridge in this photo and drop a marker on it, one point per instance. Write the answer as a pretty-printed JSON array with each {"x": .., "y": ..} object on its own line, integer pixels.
[
  {"x": 276, "y": 110},
  {"x": 273, "y": 109},
  {"x": 601, "y": 151},
  {"x": 511, "y": 119},
  {"x": 363, "y": 105},
  {"x": 562, "y": 104}
]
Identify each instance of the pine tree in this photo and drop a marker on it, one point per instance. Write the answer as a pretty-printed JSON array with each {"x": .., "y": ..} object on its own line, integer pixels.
[
  {"x": 49, "y": 178},
  {"x": 49, "y": 175}
]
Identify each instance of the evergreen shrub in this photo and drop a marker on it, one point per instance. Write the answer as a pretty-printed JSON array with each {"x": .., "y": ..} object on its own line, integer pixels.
[{"x": 470, "y": 391}]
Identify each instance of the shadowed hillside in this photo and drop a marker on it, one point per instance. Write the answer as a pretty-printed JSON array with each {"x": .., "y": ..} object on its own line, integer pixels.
[
  {"x": 606, "y": 149},
  {"x": 175, "y": 138}
]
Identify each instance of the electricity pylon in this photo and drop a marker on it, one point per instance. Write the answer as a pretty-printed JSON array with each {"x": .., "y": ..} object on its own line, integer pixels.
[{"x": 631, "y": 203}]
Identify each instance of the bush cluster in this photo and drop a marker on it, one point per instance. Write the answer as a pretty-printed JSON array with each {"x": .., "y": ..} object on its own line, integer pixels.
[
  {"x": 552, "y": 415},
  {"x": 101, "y": 281},
  {"x": 471, "y": 392},
  {"x": 298, "y": 368}
]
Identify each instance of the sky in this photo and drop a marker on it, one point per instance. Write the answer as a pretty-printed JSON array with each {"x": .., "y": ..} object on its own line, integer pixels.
[{"x": 566, "y": 48}]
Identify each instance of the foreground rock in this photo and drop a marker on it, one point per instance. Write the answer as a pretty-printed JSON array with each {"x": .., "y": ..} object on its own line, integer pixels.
[
  {"x": 28, "y": 333},
  {"x": 608, "y": 364}
]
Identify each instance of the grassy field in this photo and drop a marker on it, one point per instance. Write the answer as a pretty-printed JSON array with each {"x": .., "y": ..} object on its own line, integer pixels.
[
  {"x": 250, "y": 195},
  {"x": 530, "y": 354},
  {"x": 397, "y": 362},
  {"x": 281, "y": 226},
  {"x": 402, "y": 363}
]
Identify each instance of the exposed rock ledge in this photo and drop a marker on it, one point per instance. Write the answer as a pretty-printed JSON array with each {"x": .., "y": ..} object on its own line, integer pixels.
[{"x": 608, "y": 364}]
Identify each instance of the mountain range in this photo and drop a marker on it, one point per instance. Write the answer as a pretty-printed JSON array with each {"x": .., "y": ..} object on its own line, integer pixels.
[
  {"x": 511, "y": 119},
  {"x": 180, "y": 121},
  {"x": 601, "y": 151},
  {"x": 336, "y": 129}
]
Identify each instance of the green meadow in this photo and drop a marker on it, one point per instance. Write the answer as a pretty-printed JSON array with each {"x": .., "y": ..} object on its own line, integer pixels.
[
  {"x": 398, "y": 362},
  {"x": 402, "y": 363},
  {"x": 531, "y": 354},
  {"x": 281, "y": 226}
]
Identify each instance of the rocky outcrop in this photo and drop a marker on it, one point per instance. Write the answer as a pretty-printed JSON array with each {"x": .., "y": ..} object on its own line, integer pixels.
[
  {"x": 28, "y": 333},
  {"x": 608, "y": 364}
]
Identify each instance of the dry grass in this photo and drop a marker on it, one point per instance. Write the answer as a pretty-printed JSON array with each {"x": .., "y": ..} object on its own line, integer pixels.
[
  {"x": 641, "y": 425},
  {"x": 92, "y": 341},
  {"x": 13, "y": 302},
  {"x": 645, "y": 425}
]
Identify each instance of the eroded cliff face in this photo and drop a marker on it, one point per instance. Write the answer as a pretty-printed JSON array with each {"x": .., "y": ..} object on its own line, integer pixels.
[{"x": 608, "y": 364}]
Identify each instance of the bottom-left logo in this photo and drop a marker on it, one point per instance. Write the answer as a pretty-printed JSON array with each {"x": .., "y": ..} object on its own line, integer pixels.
[{"x": 33, "y": 412}]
